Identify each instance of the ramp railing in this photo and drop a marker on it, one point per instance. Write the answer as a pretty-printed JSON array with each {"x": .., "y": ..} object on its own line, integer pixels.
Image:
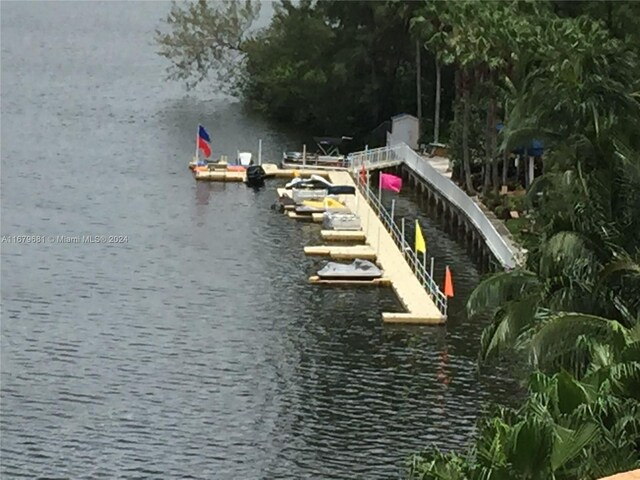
[
  {"x": 411, "y": 256},
  {"x": 402, "y": 153}
]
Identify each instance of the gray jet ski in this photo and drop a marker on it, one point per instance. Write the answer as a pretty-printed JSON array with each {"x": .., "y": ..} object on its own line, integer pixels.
[
  {"x": 340, "y": 221},
  {"x": 358, "y": 270}
]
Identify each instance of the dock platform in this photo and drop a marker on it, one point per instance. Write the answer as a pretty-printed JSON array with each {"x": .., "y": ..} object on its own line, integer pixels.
[
  {"x": 270, "y": 169},
  {"x": 343, "y": 235},
  {"x": 379, "y": 282},
  {"x": 344, "y": 253},
  {"x": 420, "y": 308}
]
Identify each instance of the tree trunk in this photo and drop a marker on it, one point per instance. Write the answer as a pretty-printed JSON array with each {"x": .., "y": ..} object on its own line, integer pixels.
[
  {"x": 505, "y": 166},
  {"x": 418, "y": 86},
  {"x": 436, "y": 121},
  {"x": 465, "y": 133},
  {"x": 505, "y": 154},
  {"x": 494, "y": 144},
  {"x": 486, "y": 169}
]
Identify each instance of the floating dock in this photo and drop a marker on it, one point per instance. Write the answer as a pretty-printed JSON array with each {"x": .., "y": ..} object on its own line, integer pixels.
[
  {"x": 270, "y": 169},
  {"x": 379, "y": 282},
  {"x": 420, "y": 308},
  {"x": 343, "y": 235},
  {"x": 342, "y": 253}
]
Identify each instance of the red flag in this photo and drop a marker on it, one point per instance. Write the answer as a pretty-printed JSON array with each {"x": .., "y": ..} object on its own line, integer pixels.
[
  {"x": 448, "y": 283},
  {"x": 390, "y": 182},
  {"x": 204, "y": 146}
]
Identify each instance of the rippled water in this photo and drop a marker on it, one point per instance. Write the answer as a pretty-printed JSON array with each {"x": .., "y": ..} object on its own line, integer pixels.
[{"x": 196, "y": 349}]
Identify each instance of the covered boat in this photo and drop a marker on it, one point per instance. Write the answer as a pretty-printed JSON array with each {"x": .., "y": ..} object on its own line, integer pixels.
[
  {"x": 316, "y": 182},
  {"x": 299, "y": 195},
  {"x": 341, "y": 221},
  {"x": 357, "y": 270}
]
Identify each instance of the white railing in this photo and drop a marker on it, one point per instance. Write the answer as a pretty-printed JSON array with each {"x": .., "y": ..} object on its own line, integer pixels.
[
  {"x": 402, "y": 153},
  {"x": 418, "y": 267}
]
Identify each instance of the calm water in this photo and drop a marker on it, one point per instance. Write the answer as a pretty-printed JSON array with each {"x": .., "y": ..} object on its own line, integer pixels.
[{"x": 195, "y": 349}]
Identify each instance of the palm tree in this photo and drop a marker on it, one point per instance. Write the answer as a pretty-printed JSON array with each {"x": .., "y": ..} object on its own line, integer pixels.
[{"x": 567, "y": 429}]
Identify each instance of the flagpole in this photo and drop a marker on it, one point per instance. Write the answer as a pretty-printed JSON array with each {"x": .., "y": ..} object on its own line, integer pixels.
[
  {"x": 368, "y": 195},
  {"x": 393, "y": 207},
  {"x": 431, "y": 273},
  {"x": 402, "y": 242},
  {"x": 379, "y": 228},
  {"x": 424, "y": 259},
  {"x": 197, "y": 137}
]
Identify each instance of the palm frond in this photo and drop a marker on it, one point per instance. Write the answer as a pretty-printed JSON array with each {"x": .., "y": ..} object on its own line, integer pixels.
[
  {"x": 566, "y": 340},
  {"x": 499, "y": 289}
]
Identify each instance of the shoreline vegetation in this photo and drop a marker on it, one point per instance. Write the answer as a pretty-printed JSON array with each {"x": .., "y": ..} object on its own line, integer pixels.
[{"x": 553, "y": 84}]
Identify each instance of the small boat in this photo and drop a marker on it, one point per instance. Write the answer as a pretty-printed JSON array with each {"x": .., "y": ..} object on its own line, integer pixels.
[
  {"x": 316, "y": 182},
  {"x": 358, "y": 270},
  {"x": 340, "y": 221},
  {"x": 299, "y": 195}
]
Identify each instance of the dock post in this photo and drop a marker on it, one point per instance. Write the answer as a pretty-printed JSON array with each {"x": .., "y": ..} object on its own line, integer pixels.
[
  {"x": 304, "y": 155},
  {"x": 260, "y": 152},
  {"x": 431, "y": 271},
  {"x": 393, "y": 208},
  {"x": 402, "y": 241}
]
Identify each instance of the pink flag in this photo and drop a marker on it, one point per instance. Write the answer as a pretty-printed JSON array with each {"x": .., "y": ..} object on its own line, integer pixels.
[{"x": 390, "y": 182}]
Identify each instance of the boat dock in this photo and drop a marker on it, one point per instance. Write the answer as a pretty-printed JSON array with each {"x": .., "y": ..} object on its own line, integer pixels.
[
  {"x": 270, "y": 169},
  {"x": 420, "y": 308},
  {"x": 379, "y": 246}
]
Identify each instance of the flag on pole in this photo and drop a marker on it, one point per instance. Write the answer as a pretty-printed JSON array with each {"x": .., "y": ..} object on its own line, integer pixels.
[
  {"x": 204, "y": 141},
  {"x": 421, "y": 245},
  {"x": 448, "y": 283},
  {"x": 390, "y": 182}
]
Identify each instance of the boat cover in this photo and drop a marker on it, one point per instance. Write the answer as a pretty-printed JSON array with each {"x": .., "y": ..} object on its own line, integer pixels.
[
  {"x": 340, "y": 221},
  {"x": 300, "y": 195},
  {"x": 358, "y": 270}
]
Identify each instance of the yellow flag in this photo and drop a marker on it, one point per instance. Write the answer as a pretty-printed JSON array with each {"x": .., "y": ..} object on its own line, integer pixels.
[{"x": 421, "y": 245}]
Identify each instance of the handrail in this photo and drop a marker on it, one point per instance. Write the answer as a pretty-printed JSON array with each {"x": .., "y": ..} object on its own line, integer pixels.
[
  {"x": 402, "y": 153},
  {"x": 411, "y": 257}
]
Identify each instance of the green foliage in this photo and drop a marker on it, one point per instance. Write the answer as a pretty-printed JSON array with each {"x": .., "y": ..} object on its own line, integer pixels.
[
  {"x": 334, "y": 67},
  {"x": 567, "y": 429},
  {"x": 207, "y": 39},
  {"x": 574, "y": 312}
]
